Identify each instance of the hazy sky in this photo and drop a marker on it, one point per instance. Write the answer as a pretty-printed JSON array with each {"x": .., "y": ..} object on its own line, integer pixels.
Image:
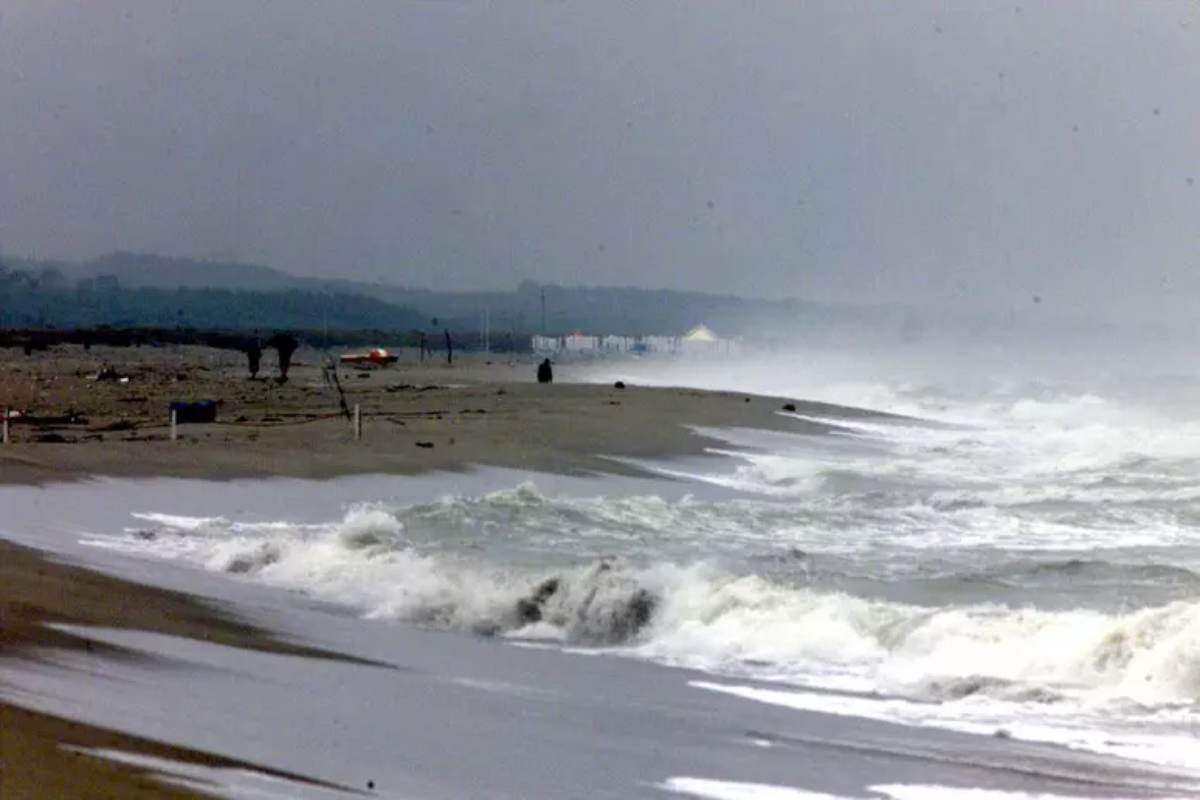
[{"x": 966, "y": 152}]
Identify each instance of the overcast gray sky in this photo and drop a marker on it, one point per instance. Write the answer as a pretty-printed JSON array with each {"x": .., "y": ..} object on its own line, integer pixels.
[{"x": 947, "y": 152}]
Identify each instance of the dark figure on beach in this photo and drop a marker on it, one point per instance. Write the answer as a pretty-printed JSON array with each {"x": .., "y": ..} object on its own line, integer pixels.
[
  {"x": 285, "y": 345},
  {"x": 545, "y": 373},
  {"x": 254, "y": 357},
  {"x": 449, "y": 348}
]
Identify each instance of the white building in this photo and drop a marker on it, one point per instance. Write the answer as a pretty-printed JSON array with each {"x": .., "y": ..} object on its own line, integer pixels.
[{"x": 699, "y": 341}]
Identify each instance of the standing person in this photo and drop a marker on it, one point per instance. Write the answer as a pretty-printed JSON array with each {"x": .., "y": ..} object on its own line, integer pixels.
[
  {"x": 544, "y": 373},
  {"x": 254, "y": 357}
]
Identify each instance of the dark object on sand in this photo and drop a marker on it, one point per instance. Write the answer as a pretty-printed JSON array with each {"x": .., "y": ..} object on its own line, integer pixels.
[
  {"x": 198, "y": 411},
  {"x": 107, "y": 373},
  {"x": 449, "y": 348},
  {"x": 789, "y": 406},
  {"x": 285, "y": 344},
  {"x": 545, "y": 374},
  {"x": 254, "y": 357},
  {"x": 426, "y": 445},
  {"x": 619, "y": 385},
  {"x": 117, "y": 425},
  {"x": 376, "y": 356}
]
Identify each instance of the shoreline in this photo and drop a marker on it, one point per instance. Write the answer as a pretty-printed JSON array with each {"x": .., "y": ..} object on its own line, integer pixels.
[
  {"x": 46, "y": 755},
  {"x": 416, "y": 419}
]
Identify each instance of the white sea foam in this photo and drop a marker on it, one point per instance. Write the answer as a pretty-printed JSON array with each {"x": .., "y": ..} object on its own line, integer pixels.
[
  {"x": 732, "y": 790},
  {"x": 736, "y": 790},
  {"x": 1061, "y": 524},
  {"x": 1169, "y": 743},
  {"x": 977, "y": 667},
  {"x": 702, "y": 615}
]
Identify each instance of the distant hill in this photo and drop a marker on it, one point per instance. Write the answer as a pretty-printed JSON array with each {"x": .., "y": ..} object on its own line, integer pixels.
[
  {"x": 159, "y": 290},
  {"x": 629, "y": 311},
  {"x": 143, "y": 271},
  {"x": 47, "y": 297}
]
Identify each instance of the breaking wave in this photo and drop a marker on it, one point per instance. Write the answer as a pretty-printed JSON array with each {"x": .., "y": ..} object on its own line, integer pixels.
[{"x": 703, "y": 615}]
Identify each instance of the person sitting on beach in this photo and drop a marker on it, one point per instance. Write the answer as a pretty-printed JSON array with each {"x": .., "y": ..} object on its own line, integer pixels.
[{"x": 545, "y": 374}]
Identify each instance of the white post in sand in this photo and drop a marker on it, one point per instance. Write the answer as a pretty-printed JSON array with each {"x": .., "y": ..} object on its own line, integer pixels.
[
  {"x": 174, "y": 426},
  {"x": 357, "y": 423},
  {"x": 5, "y": 438}
]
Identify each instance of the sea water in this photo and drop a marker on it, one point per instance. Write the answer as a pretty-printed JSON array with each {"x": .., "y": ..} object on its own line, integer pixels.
[{"x": 1020, "y": 560}]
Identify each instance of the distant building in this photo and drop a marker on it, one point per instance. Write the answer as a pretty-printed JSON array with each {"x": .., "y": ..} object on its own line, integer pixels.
[
  {"x": 700, "y": 340},
  {"x": 701, "y": 334},
  {"x": 579, "y": 342}
]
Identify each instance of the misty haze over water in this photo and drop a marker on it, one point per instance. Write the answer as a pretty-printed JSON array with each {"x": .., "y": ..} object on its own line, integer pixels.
[
  {"x": 967, "y": 231},
  {"x": 963, "y": 156}
]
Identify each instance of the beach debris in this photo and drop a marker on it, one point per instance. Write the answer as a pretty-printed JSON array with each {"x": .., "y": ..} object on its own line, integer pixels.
[
  {"x": 746, "y": 399},
  {"x": 330, "y": 376},
  {"x": 426, "y": 445},
  {"x": 376, "y": 356},
  {"x": 406, "y": 387},
  {"x": 185, "y": 411},
  {"x": 117, "y": 425},
  {"x": 107, "y": 373},
  {"x": 72, "y": 417},
  {"x": 789, "y": 406},
  {"x": 545, "y": 374},
  {"x": 619, "y": 385}
]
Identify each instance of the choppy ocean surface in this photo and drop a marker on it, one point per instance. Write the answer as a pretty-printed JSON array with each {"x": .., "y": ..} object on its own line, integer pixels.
[{"x": 1022, "y": 561}]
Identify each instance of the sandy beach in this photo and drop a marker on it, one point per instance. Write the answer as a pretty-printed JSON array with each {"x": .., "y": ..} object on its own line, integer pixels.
[
  {"x": 268, "y": 607},
  {"x": 417, "y": 417}
]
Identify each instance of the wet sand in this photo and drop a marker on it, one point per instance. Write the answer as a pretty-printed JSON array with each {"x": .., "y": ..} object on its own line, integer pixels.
[
  {"x": 457, "y": 716},
  {"x": 39, "y": 753},
  {"x": 417, "y": 416}
]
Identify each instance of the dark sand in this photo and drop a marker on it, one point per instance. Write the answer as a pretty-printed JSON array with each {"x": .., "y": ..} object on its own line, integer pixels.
[{"x": 35, "y": 759}]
